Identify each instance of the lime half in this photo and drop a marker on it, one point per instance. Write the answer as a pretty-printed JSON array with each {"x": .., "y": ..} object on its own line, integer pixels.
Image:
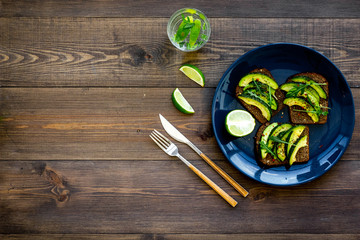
[
  {"x": 193, "y": 73},
  {"x": 239, "y": 123},
  {"x": 181, "y": 103}
]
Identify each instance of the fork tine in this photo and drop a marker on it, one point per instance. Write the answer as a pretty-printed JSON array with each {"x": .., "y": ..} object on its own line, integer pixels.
[
  {"x": 158, "y": 140},
  {"x": 162, "y": 138},
  {"x": 157, "y": 143}
]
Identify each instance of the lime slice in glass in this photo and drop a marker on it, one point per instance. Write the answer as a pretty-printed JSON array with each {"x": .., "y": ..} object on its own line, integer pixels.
[
  {"x": 181, "y": 103},
  {"x": 239, "y": 123},
  {"x": 193, "y": 73}
]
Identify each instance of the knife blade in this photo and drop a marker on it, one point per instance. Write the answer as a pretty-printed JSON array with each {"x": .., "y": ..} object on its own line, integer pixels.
[
  {"x": 178, "y": 136},
  {"x": 175, "y": 134}
]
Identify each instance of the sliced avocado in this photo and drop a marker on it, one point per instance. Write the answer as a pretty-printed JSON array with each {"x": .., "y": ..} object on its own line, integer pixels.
[
  {"x": 280, "y": 148},
  {"x": 262, "y": 106},
  {"x": 265, "y": 136},
  {"x": 293, "y": 137},
  {"x": 308, "y": 93},
  {"x": 313, "y": 84},
  {"x": 276, "y": 133},
  {"x": 248, "y": 78},
  {"x": 270, "y": 101},
  {"x": 301, "y": 143},
  {"x": 305, "y": 105}
]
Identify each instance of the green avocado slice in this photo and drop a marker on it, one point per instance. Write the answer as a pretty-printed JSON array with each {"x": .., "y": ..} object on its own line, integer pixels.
[
  {"x": 305, "y": 105},
  {"x": 294, "y": 136},
  {"x": 306, "y": 93},
  {"x": 262, "y": 106},
  {"x": 313, "y": 84},
  {"x": 301, "y": 143},
  {"x": 244, "y": 81},
  {"x": 280, "y": 148},
  {"x": 265, "y": 137},
  {"x": 270, "y": 101},
  {"x": 276, "y": 132}
]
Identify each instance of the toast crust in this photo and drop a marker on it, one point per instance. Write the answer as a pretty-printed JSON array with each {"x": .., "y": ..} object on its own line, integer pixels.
[
  {"x": 254, "y": 110},
  {"x": 301, "y": 157},
  {"x": 302, "y": 117}
]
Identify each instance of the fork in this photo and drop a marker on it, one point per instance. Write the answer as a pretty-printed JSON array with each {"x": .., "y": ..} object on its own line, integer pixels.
[{"x": 171, "y": 149}]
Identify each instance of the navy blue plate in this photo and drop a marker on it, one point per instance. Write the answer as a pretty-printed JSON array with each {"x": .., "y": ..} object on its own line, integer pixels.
[{"x": 328, "y": 142}]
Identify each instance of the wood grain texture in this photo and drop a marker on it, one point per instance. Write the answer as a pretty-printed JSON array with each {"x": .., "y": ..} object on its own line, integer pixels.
[
  {"x": 106, "y": 52},
  {"x": 160, "y": 236},
  {"x": 108, "y": 123},
  {"x": 183, "y": 236},
  {"x": 81, "y": 86},
  {"x": 93, "y": 197},
  {"x": 157, "y": 8}
]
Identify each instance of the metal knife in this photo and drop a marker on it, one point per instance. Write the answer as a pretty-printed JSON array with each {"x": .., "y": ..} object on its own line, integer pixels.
[{"x": 178, "y": 136}]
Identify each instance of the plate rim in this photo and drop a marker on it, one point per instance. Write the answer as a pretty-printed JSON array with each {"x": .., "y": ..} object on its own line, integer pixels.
[{"x": 233, "y": 65}]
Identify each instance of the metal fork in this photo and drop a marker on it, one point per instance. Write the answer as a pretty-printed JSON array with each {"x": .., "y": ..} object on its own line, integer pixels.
[{"x": 171, "y": 149}]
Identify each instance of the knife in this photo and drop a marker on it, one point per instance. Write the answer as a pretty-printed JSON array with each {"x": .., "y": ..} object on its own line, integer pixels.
[{"x": 178, "y": 136}]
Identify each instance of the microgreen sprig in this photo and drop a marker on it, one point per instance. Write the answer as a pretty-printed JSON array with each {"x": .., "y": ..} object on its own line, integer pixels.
[
  {"x": 267, "y": 149},
  {"x": 270, "y": 97},
  {"x": 300, "y": 89},
  {"x": 317, "y": 111},
  {"x": 278, "y": 140},
  {"x": 260, "y": 90}
]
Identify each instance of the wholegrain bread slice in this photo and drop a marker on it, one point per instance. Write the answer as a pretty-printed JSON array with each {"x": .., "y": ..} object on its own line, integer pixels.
[
  {"x": 254, "y": 110},
  {"x": 301, "y": 157},
  {"x": 298, "y": 117}
]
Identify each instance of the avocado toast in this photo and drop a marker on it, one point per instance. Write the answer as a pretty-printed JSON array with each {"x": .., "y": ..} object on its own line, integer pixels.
[
  {"x": 259, "y": 93},
  {"x": 307, "y": 96},
  {"x": 279, "y": 144}
]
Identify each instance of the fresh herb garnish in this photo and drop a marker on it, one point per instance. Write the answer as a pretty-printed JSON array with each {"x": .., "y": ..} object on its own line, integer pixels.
[
  {"x": 278, "y": 140},
  {"x": 190, "y": 26},
  {"x": 267, "y": 149},
  {"x": 300, "y": 88},
  {"x": 253, "y": 95},
  {"x": 317, "y": 111},
  {"x": 270, "y": 97},
  {"x": 203, "y": 36},
  {"x": 296, "y": 90},
  {"x": 260, "y": 90}
]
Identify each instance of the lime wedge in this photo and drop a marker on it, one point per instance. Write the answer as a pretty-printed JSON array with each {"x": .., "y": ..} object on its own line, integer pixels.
[
  {"x": 239, "y": 123},
  {"x": 181, "y": 103},
  {"x": 193, "y": 73}
]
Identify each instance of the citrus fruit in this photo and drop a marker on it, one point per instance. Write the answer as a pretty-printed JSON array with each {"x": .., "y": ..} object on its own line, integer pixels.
[
  {"x": 239, "y": 123},
  {"x": 181, "y": 103},
  {"x": 193, "y": 73}
]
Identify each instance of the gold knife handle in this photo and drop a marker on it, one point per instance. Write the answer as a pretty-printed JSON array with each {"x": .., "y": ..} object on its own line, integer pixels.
[
  {"x": 213, "y": 185},
  {"x": 229, "y": 179}
]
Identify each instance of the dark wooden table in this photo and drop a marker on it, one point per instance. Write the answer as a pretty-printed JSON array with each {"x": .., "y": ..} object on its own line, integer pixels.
[{"x": 82, "y": 84}]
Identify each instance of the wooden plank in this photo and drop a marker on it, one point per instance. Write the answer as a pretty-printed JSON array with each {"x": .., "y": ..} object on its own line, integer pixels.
[
  {"x": 122, "y": 197},
  {"x": 247, "y": 8},
  {"x": 107, "y": 123},
  {"x": 298, "y": 236},
  {"x": 103, "y": 52}
]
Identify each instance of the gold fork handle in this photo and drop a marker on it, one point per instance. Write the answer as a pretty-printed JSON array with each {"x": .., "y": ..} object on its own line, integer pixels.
[
  {"x": 229, "y": 179},
  {"x": 213, "y": 185}
]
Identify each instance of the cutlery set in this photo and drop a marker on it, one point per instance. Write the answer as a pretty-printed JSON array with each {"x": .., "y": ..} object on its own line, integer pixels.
[{"x": 172, "y": 150}]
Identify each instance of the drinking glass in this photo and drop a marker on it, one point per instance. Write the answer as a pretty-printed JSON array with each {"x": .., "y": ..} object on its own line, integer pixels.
[{"x": 188, "y": 29}]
